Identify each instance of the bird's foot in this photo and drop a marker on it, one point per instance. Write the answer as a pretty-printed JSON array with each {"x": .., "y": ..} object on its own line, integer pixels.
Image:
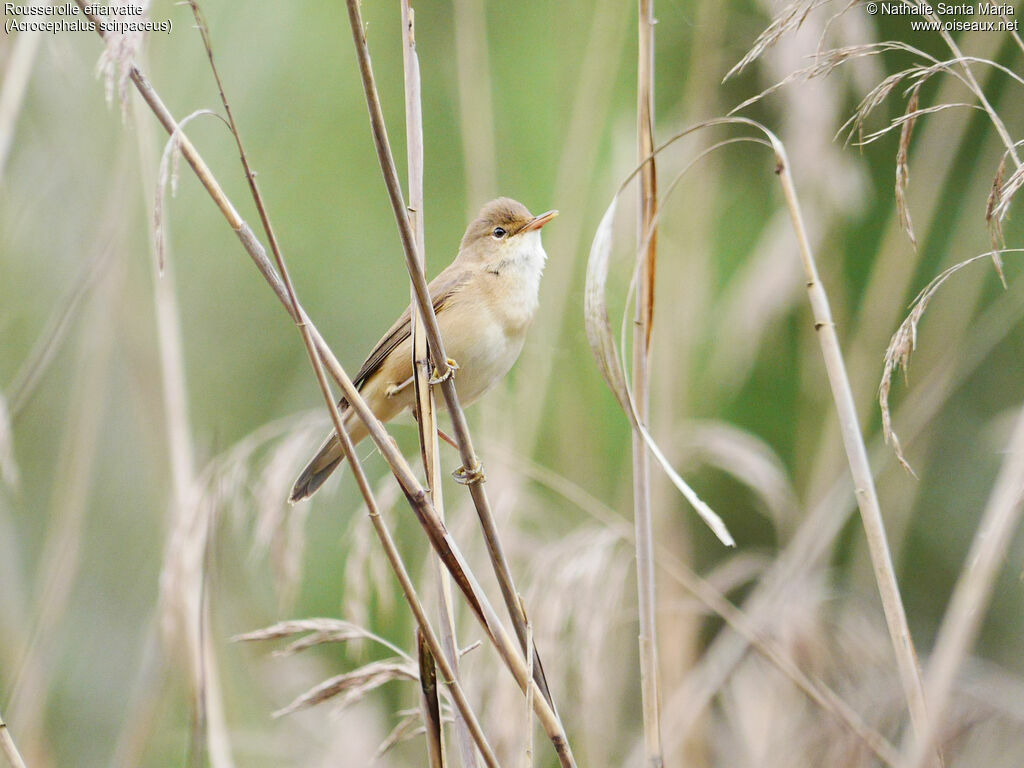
[
  {"x": 439, "y": 378},
  {"x": 472, "y": 476},
  {"x": 393, "y": 389}
]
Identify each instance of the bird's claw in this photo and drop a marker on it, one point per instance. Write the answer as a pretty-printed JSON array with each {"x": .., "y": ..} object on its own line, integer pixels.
[
  {"x": 393, "y": 389},
  {"x": 472, "y": 476},
  {"x": 441, "y": 378}
]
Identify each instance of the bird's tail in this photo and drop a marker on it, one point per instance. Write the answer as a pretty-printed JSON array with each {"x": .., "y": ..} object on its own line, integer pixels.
[{"x": 318, "y": 470}]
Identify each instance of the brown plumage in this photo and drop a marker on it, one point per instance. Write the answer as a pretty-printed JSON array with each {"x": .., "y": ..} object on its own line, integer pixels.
[{"x": 484, "y": 301}]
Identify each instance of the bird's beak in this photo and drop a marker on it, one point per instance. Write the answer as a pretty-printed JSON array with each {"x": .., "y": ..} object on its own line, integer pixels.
[{"x": 538, "y": 221}]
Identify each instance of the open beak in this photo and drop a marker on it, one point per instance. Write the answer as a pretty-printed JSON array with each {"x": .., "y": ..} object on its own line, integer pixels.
[{"x": 538, "y": 221}]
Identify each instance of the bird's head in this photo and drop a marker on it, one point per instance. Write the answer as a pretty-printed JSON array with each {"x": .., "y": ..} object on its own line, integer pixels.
[{"x": 504, "y": 230}]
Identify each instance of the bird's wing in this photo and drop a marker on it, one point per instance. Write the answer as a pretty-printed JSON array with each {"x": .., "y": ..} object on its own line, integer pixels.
[{"x": 441, "y": 289}]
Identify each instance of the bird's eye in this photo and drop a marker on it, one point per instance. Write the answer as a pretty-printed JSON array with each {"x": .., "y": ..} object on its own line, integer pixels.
[{"x": 499, "y": 233}]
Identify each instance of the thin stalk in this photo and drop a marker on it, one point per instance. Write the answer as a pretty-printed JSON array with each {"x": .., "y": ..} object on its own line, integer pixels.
[
  {"x": 425, "y": 409},
  {"x": 972, "y": 592},
  {"x": 853, "y": 441},
  {"x": 429, "y": 703},
  {"x": 8, "y": 748},
  {"x": 424, "y": 632},
  {"x": 644, "y": 313},
  {"x": 417, "y": 497},
  {"x": 470, "y": 462},
  {"x": 707, "y": 594},
  {"x": 18, "y": 70}
]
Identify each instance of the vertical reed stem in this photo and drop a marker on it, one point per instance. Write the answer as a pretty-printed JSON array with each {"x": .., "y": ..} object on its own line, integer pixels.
[
  {"x": 647, "y": 239},
  {"x": 426, "y": 411}
]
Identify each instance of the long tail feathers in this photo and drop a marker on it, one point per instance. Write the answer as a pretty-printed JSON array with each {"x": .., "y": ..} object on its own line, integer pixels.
[{"x": 318, "y": 470}]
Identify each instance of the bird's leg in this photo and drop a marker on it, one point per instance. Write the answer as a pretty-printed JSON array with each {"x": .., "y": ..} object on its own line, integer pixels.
[
  {"x": 472, "y": 476},
  {"x": 393, "y": 389},
  {"x": 441, "y": 433},
  {"x": 438, "y": 378}
]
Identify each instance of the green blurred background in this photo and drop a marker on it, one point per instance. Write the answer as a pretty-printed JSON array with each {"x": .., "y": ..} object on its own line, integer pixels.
[{"x": 535, "y": 101}]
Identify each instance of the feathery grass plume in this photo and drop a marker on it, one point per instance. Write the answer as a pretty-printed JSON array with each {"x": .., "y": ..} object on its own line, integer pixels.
[
  {"x": 119, "y": 57},
  {"x": 825, "y": 62},
  {"x": 247, "y": 482},
  {"x": 352, "y": 686},
  {"x": 995, "y": 224},
  {"x": 787, "y": 20},
  {"x": 904, "y": 342},
  {"x": 168, "y": 174},
  {"x": 409, "y": 727},
  {"x": 320, "y": 632},
  {"x": 1008, "y": 189},
  {"x": 902, "y": 171}
]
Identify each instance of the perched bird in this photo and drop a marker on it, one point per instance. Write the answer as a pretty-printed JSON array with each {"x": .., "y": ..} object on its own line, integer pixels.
[{"x": 484, "y": 301}]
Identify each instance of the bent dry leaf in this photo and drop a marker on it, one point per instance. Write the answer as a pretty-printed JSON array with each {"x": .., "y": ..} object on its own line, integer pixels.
[{"x": 602, "y": 344}]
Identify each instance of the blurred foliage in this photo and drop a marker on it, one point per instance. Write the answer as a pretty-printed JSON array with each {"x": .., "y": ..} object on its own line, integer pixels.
[{"x": 71, "y": 192}]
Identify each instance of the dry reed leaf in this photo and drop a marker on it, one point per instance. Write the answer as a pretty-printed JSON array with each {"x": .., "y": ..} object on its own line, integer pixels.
[
  {"x": 352, "y": 686},
  {"x": 750, "y": 460},
  {"x": 8, "y": 463},
  {"x": 602, "y": 344}
]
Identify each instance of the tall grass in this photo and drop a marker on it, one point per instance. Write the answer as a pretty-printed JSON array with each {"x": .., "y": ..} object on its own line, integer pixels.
[{"x": 153, "y": 411}]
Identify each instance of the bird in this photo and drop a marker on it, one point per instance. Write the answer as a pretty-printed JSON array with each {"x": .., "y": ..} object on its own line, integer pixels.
[{"x": 485, "y": 301}]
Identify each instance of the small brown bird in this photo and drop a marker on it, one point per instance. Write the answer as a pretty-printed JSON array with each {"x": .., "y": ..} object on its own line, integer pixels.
[{"x": 484, "y": 300}]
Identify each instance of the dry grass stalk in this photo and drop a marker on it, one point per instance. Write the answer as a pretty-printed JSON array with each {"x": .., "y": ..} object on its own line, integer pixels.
[
  {"x": 17, "y": 70},
  {"x": 470, "y": 462},
  {"x": 52, "y": 337},
  {"x": 315, "y": 358},
  {"x": 438, "y": 536},
  {"x": 973, "y": 589},
  {"x": 425, "y": 408},
  {"x": 717, "y": 603},
  {"x": 430, "y": 704},
  {"x": 285, "y": 293},
  {"x": 842, "y": 394},
  {"x": 528, "y": 751},
  {"x": 74, "y": 474},
  {"x": 867, "y": 499},
  {"x": 8, "y": 747},
  {"x": 643, "y": 323}
]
